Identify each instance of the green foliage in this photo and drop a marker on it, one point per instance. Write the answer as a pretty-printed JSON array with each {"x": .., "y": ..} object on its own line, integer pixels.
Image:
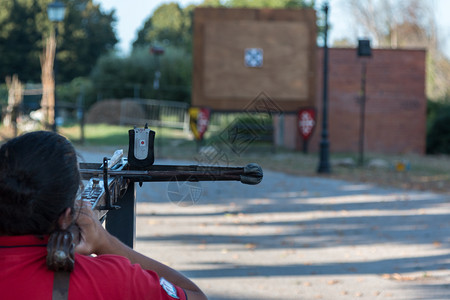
[
  {"x": 21, "y": 38},
  {"x": 78, "y": 92},
  {"x": 170, "y": 25},
  {"x": 260, "y": 3},
  {"x": 84, "y": 35},
  {"x": 3, "y": 95},
  {"x": 212, "y": 3},
  {"x": 438, "y": 123},
  {"x": 269, "y": 3},
  {"x": 3, "y": 100},
  {"x": 117, "y": 77}
]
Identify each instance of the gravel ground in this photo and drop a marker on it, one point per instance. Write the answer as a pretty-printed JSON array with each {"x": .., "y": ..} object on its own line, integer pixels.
[{"x": 296, "y": 237}]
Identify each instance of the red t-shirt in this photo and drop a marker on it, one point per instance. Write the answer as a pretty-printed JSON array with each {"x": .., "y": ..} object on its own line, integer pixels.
[{"x": 24, "y": 275}]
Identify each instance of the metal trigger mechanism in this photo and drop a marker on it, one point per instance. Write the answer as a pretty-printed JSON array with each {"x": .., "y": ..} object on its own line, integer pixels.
[{"x": 108, "y": 202}]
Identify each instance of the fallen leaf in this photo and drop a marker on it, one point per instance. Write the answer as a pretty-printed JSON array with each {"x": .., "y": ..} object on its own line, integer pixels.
[
  {"x": 437, "y": 244},
  {"x": 250, "y": 246}
]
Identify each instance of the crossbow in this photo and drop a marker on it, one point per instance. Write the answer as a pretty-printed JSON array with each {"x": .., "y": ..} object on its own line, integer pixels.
[{"x": 110, "y": 187}]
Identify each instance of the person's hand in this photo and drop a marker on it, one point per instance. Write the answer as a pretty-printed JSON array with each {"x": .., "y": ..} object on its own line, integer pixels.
[
  {"x": 93, "y": 238},
  {"x": 92, "y": 235}
]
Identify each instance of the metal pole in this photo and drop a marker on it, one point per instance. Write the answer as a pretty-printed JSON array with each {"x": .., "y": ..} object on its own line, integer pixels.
[
  {"x": 156, "y": 86},
  {"x": 122, "y": 222},
  {"x": 81, "y": 114},
  {"x": 324, "y": 164},
  {"x": 362, "y": 113},
  {"x": 14, "y": 115},
  {"x": 55, "y": 69}
]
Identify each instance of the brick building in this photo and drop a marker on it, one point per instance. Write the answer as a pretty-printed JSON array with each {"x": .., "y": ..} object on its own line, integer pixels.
[{"x": 395, "y": 114}]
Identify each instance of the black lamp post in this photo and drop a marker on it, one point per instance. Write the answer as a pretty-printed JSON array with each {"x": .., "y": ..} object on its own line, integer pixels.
[
  {"x": 55, "y": 11},
  {"x": 324, "y": 163},
  {"x": 364, "y": 50},
  {"x": 157, "y": 51}
]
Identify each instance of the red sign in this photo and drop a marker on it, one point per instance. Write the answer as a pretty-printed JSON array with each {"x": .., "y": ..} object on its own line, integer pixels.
[
  {"x": 199, "y": 120},
  {"x": 306, "y": 122}
]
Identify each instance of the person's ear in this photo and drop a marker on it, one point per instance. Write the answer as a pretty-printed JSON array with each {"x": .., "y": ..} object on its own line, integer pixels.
[{"x": 65, "y": 219}]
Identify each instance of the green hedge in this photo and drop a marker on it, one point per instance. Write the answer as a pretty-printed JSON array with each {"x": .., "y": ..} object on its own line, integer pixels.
[
  {"x": 117, "y": 77},
  {"x": 438, "y": 127}
]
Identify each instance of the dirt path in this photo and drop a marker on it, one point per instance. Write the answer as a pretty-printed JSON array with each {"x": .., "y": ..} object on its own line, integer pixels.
[{"x": 299, "y": 238}]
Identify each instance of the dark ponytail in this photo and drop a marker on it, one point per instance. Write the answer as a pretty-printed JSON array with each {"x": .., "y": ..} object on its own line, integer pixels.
[{"x": 39, "y": 180}]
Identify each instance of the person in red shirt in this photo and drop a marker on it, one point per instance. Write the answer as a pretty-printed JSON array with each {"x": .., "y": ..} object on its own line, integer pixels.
[{"x": 39, "y": 181}]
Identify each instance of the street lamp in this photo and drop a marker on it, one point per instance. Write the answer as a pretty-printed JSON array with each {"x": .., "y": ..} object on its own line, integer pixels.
[
  {"x": 157, "y": 51},
  {"x": 364, "y": 50},
  {"x": 324, "y": 163},
  {"x": 55, "y": 11}
]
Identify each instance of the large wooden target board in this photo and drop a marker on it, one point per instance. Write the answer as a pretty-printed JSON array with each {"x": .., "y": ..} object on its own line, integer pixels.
[{"x": 239, "y": 53}]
